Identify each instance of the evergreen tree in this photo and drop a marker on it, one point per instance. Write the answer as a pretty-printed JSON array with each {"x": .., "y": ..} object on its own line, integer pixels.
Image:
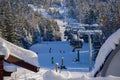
[{"x": 90, "y": 17}]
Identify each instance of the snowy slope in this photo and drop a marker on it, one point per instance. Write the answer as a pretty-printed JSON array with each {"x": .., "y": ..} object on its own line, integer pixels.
[
  {"x": 7, "y": 48},
  {"x": 59, "y": 50},
  {"x": 61, "y": 25},
  {"x": 107, "y": 47}
]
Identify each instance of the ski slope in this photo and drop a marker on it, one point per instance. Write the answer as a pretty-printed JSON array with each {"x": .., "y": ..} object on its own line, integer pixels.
[
  {"x": 75, "y": 70},
  {"x": 59, "y": 50},
  {"x": 61, "y": 25}
]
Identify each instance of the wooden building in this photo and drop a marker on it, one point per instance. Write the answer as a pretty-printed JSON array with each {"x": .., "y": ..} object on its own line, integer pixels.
[
  {"x": 11, "y": 53},
  {"x": 16, "y": 61}
]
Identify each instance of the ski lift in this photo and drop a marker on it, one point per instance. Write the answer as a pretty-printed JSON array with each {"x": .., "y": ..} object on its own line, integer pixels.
[{"x": 77, "y": 44}]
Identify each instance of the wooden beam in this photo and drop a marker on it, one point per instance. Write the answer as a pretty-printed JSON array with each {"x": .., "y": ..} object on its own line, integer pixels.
[
  {"x": 21, "y": 63},
  {"x": 7, "y": 73},
  {"x": 1, "y": 66}
]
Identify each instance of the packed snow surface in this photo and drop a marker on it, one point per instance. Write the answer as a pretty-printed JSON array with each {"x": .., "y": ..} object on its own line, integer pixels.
[
  {"x": 107, "y": 47},
  {"x": 7, "y": 49}
]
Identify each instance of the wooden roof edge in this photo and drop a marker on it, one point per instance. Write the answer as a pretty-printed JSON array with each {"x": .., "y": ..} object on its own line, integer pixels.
[
  {"x": 7, "y": 73},
  {"x": 22, "y": 63}
]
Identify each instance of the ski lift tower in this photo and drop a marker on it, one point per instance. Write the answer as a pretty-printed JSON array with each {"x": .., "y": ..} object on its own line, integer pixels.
[{"x": 89, "y": 33}]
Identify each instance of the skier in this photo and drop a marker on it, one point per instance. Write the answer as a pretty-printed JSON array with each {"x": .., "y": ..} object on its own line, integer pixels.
[
  {"x": 50, "y": 50},
  {"x": 60, "y": 51},
  {"x": 52, "y": 60},
  {"x": 62, "y": 64}
]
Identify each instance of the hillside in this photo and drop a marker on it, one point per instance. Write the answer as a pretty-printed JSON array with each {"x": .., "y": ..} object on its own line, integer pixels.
[
  {"x": 104, "y": 12},
  {"x": 21, "y": 25}
]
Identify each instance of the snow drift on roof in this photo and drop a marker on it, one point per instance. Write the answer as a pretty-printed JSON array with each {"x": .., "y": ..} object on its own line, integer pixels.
[
  {"x": 7, "y": 48},
  {"x": 107, "y": 47}
]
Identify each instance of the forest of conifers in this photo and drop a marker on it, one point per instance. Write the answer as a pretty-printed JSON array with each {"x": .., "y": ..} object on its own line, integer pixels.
[{"x": 22, "y": 26}]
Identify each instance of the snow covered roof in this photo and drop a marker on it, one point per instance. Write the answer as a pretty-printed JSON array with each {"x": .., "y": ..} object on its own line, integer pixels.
[
  {"x": 107, "y": 47},
  {"x": 7, "y": 49}
]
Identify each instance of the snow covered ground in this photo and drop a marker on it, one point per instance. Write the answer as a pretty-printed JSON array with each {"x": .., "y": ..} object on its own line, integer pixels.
[
  {"x": 75, "y": 70},
  {"x": 46, "y": 74},
  {"x": 58, "y": 50}
]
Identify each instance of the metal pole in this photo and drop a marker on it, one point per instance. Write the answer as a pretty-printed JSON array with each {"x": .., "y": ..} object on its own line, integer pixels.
[
  {"x": 56, "y": 67},
  {"x": 62, "y": 61},
  {"x": 90, "y": 52}
]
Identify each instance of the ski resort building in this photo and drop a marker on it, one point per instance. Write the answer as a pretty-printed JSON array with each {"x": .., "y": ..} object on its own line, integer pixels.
[
  {"x": 111, "y": 65},
  {"x": 16, "y": 55},
  {"x": 107, "y": 61}
]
